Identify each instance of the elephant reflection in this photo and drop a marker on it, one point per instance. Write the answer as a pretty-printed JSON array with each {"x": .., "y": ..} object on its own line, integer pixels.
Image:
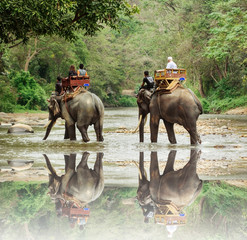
[
  {"x": 165, "y": 196},
  {"x": 76, "y": 188}
]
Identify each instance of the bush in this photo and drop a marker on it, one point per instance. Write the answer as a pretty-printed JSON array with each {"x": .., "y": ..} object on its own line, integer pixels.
[
  {"x": 30, "y": 93},
  {"x": 120, "y": 101},
  {"x": 7, "y": 95},
  {"x": 127, "y": 101}
]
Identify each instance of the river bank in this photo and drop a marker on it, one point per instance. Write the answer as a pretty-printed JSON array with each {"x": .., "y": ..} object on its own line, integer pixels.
[
  {"x": 40, "y": 118},
  {"x": 205, "y": 126}
]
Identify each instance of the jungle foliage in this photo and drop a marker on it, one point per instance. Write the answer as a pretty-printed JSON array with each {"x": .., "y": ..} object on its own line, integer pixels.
[{"x": 208, "y": 38}]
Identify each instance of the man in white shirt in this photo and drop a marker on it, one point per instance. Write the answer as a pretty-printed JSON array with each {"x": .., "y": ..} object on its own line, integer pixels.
[{"x": 171, "y": 64}]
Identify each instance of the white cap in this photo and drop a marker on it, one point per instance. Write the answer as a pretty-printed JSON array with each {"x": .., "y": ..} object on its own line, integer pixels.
[{"x": 169, "y": 58}]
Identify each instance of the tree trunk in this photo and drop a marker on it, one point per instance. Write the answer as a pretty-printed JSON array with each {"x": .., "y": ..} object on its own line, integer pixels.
[
  {"x": 30, "y": 56},
  {"x": 201, "y": 90},
  {"x": 219, "y": 71},
  {"x": 1, "y": 62},
  {"x": 226, "y": 66}
]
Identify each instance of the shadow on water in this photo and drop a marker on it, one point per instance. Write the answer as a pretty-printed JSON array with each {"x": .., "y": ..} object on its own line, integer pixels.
[{"x": 78, "y": 204}]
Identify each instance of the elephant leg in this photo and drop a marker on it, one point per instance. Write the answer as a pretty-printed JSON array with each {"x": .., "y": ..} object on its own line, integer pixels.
[
  {"x": 142, "y": 174},
  {"x": 170, "y": 132},
  {"x": 71, "y": 131},
  {"x": 83, "y": 131},
  {"x": 66, "y": 134},
  {"x": 154, "y": 171},
  {"x": 194, "y": 137},
  {"x": 170, "y": 162},
  {"x": 98, "y": 127},
  {"x": 154, "y": 128},
  {"x": 188, "y": 173},
  {"x": 66, "y": 159},
  {"x": 83, "y": 163},
  {"x": 98, "y": 166},
  {"x": 141, "y": 127},
  {"x": 70, "y": 161},
  {"x": 194, "y": 157}
]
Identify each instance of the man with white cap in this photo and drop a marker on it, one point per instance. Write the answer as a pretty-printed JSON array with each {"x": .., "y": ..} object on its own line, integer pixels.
[{"x": 171, "y": 64}]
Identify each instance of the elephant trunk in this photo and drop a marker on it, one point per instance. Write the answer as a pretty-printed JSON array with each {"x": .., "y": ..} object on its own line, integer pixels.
[
  {"x": 48, "y": 129},
  {"x": 141, "y": 127},
  {"x": 49, "y": 166}
]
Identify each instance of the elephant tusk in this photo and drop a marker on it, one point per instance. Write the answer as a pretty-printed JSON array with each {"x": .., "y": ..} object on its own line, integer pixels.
[
  {"x": 145, "y": 121},
  {"x": 138, "y": 125},
  {"x": 54, "y": 123},
  {"x": 47, "y": 124}
]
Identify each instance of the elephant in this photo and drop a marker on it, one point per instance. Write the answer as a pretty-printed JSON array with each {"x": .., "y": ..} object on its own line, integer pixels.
[
  {"x": 181, "y": 106},
  {"x": 77, "y": 187},
  {"x": 168, "y": 193},
  {"x": 83, "y": 109},
  {"x": 20, "y": 128}
]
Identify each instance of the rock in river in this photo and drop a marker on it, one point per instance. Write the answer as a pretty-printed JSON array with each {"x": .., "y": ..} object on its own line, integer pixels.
[{"x": 20, "y": 128}]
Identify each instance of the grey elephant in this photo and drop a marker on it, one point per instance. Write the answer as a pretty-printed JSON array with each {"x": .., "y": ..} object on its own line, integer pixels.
[
  {"x": 167, "y": 194},
  {"x": 82, "y": 183},
  {"x": 181, "y": 107},
  {"x": 77, "y": 187},
  {"x": 83, "y": 110}
]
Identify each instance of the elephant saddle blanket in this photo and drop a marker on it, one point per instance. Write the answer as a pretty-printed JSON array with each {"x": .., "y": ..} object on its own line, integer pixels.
[
  {"x": 71, "y": 95},
  {"x": 168, "y": 90}
]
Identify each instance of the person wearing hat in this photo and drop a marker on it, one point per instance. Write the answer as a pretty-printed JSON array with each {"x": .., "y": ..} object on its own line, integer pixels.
[{"x": 171, "y": 64}]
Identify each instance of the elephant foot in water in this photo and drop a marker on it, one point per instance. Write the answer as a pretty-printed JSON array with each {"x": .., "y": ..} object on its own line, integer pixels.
[
  {"x": 85, "y": 139},
  {"x": 100, "y": 139}
]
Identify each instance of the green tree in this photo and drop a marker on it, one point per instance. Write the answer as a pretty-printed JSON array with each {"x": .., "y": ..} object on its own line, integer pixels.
[
  {"x": 23, "y": 19},
  {"x": 227, "y": 45}
]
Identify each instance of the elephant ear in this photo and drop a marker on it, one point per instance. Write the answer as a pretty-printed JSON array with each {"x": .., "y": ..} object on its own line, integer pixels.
[{"x": 144, "y": 96}]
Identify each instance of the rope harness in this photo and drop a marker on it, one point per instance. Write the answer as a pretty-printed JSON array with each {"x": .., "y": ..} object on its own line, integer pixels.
[{"x": 69, "y": 96}]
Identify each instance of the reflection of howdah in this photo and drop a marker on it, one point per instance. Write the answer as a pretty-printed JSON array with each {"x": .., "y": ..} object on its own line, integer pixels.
[
  {"x": 73, "y": 190},
  {"x": 170, "y": 192}
]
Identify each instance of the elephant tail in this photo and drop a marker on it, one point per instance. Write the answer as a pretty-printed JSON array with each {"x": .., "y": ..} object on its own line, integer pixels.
[{"x": 198, "y": 103}]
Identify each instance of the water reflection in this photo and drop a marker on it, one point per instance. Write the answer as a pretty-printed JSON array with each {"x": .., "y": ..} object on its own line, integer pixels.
[
  {"x": 165, "y": 196},
  {"x": 76, "y": 188}
]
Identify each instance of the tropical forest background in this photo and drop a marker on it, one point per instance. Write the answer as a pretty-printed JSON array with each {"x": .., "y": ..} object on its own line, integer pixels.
[{"x": 208, "y": 38}]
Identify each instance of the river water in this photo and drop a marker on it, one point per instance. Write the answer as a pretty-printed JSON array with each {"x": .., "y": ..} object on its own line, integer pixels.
[{"x": 223, "y": 157}]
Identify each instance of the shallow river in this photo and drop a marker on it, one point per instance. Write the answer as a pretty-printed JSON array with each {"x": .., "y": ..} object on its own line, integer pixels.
[{"x": 28, "y": 212}]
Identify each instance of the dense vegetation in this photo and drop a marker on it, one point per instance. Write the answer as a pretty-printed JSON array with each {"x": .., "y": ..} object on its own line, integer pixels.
[{"x": 208, "y": 38}]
